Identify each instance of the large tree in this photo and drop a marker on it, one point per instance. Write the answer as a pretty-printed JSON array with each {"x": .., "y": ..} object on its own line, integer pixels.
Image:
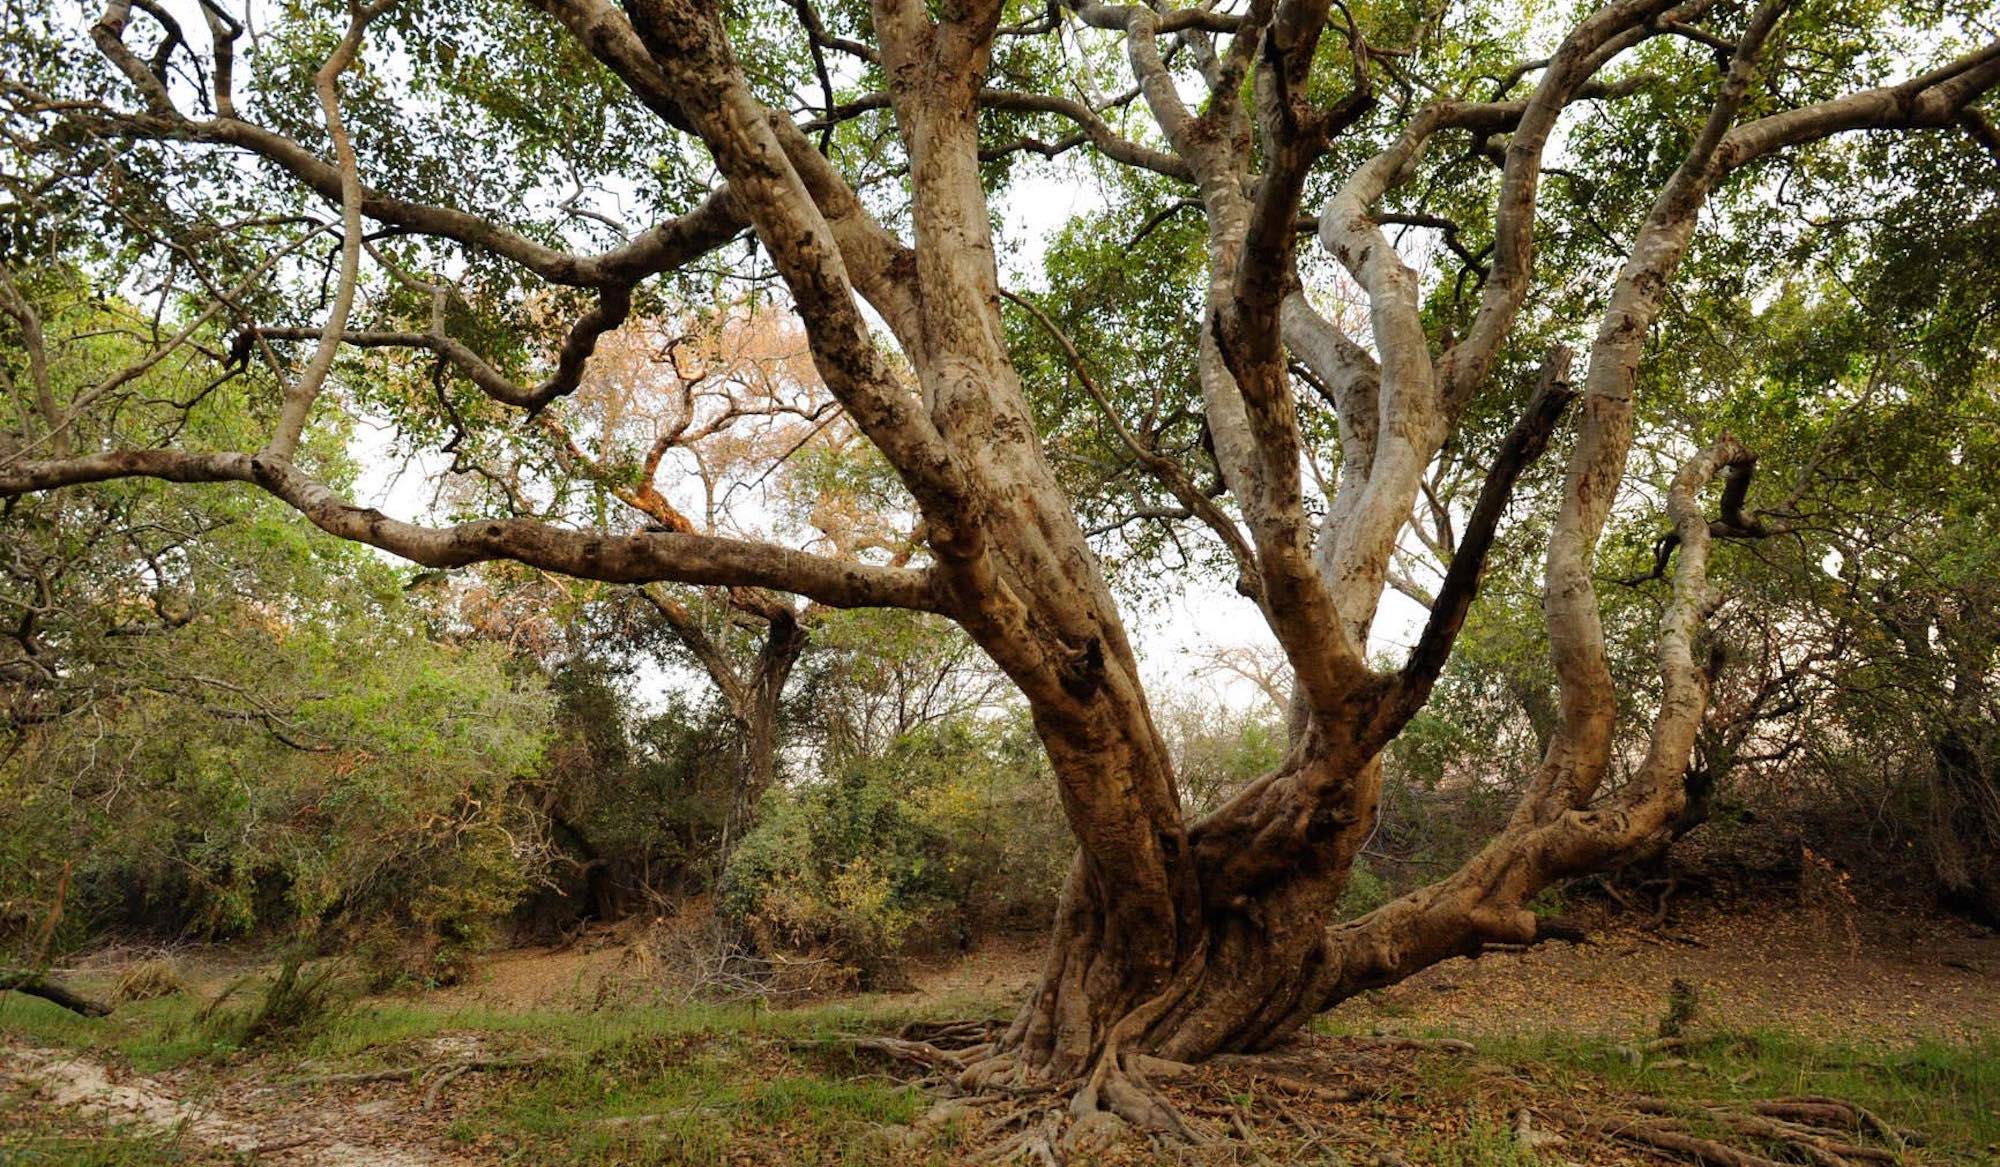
[{"x": 1176, "y": 937}]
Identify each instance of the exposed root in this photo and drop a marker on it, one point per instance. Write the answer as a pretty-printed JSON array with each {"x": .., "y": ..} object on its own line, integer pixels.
[
  {"x": 920, "y": 1053},
  {"x": 1819, "y": 1144},
  {"x": 1001, "y": 1072},
  {"x": 416, "y": 1073},
  {"x": 1817, "y": 1108},
  {"x": 1304, "y": 1068},
  {"x": 1661, "y": 1137},
  {"x": 1040, "y": 1143},
  {"x": 945, "y": 1050},
  {"x": 953, "y": 1035},
  {"x": 1798, "y": 1129},
  {"x": 1124, "y": 1091},
  {"x": 1280, "y": 1105},
  {"x": 441, "y": 1081}
]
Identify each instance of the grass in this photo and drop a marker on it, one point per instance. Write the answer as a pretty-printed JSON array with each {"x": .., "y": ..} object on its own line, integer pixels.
[
  {"x": 151, "y": 1035},
  {"x": 620, "y": 1085},
  {"x": 1949, "y": 1092},
  {"x": 24, "y": 1146},
  {"x": 722, "y": 1085}
]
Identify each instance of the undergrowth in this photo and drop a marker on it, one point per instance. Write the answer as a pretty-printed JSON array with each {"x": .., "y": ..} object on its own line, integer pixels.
[{"x": 710, "y": 1084}]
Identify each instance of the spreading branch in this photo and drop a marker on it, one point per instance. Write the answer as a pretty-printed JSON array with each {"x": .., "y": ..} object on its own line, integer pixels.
[{"x": 676, "y": 556}]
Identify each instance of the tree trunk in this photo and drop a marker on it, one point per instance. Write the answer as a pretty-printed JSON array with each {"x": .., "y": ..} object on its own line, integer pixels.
[
  {"x": 1965, "y": 824},
  {"x": 755, "y": 707},
  {"x": 1239, "y": 980},
  {"x": 606, "y": 902},
  {"x": 1254, "y": 952},
  {"x": 1254, "y": 957}
]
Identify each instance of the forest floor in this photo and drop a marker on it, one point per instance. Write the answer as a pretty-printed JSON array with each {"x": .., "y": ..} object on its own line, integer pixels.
[{"x": 1546, "y": 1056}]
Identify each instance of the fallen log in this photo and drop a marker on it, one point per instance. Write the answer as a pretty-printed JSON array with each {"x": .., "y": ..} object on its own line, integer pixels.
[{"x": 38, "y": 985}]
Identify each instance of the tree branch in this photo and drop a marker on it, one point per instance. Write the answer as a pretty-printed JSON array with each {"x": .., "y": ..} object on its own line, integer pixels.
[
  {"x": 676, "y": 556},
  {"x": 1169, "y": 472},
  {"x": 1519, "y": 450}
]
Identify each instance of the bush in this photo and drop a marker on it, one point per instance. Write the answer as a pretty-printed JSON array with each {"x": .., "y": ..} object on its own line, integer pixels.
[
  {"x": 633, "y": 801},
  {"x": 845, "y": 867},
  {"x": 1365, "y": 891},
  {"x": 953, "y": 828},
  {"x": 148, "y": 980},
  {"x": 387, "y": 797}
]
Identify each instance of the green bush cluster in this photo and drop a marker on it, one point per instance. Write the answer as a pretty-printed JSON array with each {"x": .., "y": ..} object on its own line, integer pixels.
[
  {"x": 949, "y": 832},
  {"x": 378, "y": 810}
]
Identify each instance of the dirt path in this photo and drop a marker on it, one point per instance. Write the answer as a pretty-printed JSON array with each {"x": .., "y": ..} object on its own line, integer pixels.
[{"x": 238, "y": 1115}]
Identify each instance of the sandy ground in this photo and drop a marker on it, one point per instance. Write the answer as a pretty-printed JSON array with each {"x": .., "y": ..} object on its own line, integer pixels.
[
  {"x": 1888, "y": 978},
  {"x": 247, "y": 1122}
]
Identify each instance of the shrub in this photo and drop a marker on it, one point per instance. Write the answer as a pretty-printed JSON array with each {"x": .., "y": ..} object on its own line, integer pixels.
[
  {"x": 845, "y": 867},
  {"x": 1365, "y": 891},
  {"x": 388, "y": 794},
  {"x": 952, "y": 828},
  {"x": 148, "y": 980}
]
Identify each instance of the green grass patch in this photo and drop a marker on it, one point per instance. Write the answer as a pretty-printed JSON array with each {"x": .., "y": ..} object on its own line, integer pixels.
[
  {"x": 699, "y": 1084},
  {"x": 1949, "y": 1092},
  {"x": 689, "y": 1097},
  {"x": 151, "y": 1035}
]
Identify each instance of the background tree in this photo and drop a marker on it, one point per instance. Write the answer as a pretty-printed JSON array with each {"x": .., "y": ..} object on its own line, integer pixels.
[{"x": 219, "y": 723}]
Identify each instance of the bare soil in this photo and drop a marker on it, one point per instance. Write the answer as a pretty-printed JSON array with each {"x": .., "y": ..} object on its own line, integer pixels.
[
  {"x": 1877, "y": 979},
  {"x": 1892, "y": 979},
  {"x": 201, "y": 1117}
]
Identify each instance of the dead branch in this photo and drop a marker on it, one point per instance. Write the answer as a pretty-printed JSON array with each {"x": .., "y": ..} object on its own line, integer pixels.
[
  {"x": 36, "y": 984},
  {"x": 418, "y": 1073}
]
